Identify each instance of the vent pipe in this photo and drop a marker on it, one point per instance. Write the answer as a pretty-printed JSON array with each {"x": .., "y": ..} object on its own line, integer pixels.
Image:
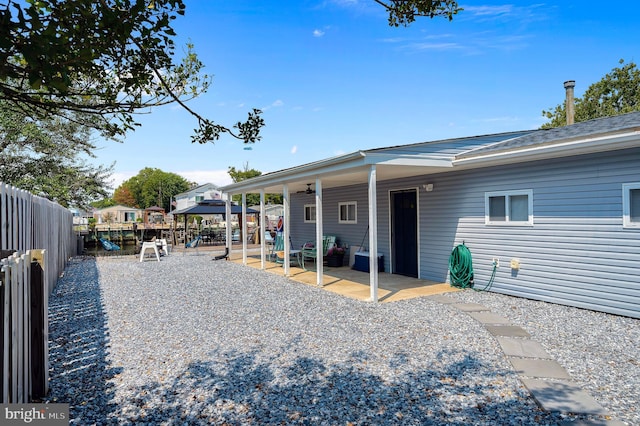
[{"x": 570, "y": 105}]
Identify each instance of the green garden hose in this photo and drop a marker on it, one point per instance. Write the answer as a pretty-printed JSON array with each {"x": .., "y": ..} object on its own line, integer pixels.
[{"x": 461, "y": 269}]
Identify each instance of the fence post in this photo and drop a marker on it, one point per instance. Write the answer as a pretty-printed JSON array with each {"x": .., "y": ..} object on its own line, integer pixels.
[{"x": 39, "y": 323}]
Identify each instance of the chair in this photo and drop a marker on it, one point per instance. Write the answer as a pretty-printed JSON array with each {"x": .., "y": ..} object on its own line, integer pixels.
[
  {"x": 268, "y": 239},
  {"x": 193, "y": 243},
  {"x": 310, "y": 251},
  {"x": 278, "y": 251}
]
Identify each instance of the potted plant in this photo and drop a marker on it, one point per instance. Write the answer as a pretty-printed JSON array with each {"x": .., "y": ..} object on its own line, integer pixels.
[{"x": 335, "y": 256}]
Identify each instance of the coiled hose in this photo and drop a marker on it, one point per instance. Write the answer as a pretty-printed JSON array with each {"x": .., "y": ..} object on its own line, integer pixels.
[{"x": 461, "y": 269}]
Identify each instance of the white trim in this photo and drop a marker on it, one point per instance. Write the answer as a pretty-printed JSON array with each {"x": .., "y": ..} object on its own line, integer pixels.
[
  {"x": 312, "y": 217},
  {"x": 319, "y": 233},
  {"x": 373, "y": 234},
  {"x": 355, "y": 212},
  {"x": 507, "y": 195},
  {"x": 626, "y": 205}
]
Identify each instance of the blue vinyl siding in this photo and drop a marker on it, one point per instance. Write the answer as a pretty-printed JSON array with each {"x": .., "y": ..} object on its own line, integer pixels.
[{"x": 577, "y": 252}]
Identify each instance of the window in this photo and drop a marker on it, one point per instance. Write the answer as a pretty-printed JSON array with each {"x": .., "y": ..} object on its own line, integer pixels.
[
  {"x": 509, "y": 207},
  {"x": 348, "y": 212},
  {"x": 129, "y": 216},
  {"x": 199, "y": 196},
  {"x": 310, "y": 213},
  {"x": 631, "y": 205}
]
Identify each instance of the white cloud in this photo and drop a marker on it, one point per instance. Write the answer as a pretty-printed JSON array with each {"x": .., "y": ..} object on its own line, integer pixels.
[
  {"x": 274, "y": 104},
  {"x": 318, "y": 33},
  {"x": 294, "y": 149},
  {"x": 217, "y": 177},
  {"x": 119, "y": 177}
]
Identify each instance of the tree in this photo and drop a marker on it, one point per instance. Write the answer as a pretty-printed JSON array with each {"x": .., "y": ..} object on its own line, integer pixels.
[
  {"x": 122, "y": 195},
  {"x": 618, "y": 92},
  {"x": 47, "y": 157},
  {"x": 153, "y": 187},
  {"x": 252, "y": 199},
  {"x": 108, "y": 59},
  {"x": 404, "y": 12}
]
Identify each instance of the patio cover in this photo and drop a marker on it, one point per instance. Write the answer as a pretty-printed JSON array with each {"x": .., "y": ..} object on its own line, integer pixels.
[{"x": 212, "y": 207}]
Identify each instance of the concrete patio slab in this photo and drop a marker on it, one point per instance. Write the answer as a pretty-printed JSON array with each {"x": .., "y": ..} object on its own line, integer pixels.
[
  {"x": 355, "y": 284},
  {"x": 507, "y": 330},
  {"x": 523, "y": 348},
  {"x": 546, "y": 368},
  {"x": 471, "y": 307},
  {"x": 489, "y": 318},
  {"x": 563, "y": 396}
]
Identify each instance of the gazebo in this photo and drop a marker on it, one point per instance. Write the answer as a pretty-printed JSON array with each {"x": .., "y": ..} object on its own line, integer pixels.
[{"x": 212, "y": 207}]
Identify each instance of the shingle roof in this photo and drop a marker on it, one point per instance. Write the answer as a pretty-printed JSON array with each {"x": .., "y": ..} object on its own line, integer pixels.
[{"x": 539, "y": 137}]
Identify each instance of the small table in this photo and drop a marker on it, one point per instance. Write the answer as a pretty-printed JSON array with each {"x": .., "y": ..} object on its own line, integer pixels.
[{"x": 149, "y": 245}]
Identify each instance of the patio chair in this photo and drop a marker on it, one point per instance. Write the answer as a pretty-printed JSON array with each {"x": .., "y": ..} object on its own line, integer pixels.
[
  {"x": 268, "y": 240},
  {"x": 278, "y": 251},
  {"x": 310, "y": 251},
  {"x": 193, "y": 244}
]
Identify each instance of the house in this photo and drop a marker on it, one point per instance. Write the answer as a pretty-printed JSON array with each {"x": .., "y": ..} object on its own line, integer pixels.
[
  {"x": 117, "y": 214},
  {"x": 208, "y": 191},
  {"x": 555, "y": 212}
]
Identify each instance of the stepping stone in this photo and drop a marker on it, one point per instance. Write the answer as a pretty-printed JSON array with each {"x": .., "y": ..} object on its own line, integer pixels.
[
  {"x": 445, "y": 300},
  {"x": 507, "y": 330},
  {"x": 522, "y": 348},
  {"x": 539, "y": 368},
  {"x": 471, "y": 307},
  {"x": 565, "y": 397},
  {"x": 489, "y": 318}
]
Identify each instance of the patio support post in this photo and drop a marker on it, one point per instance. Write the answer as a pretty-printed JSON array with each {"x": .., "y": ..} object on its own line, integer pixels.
[
  {"x": 287, "y": 229},
  {"x": 263, "y": 230},
  {"x": 227, "y": 218},
  {"x": 243, "y": 234},
  {"x": 373, "y": 235},
  {"x": 319, "y": 264}
]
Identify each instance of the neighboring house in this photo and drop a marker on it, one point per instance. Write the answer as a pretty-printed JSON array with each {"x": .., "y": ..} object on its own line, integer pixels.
[
  {"x": 208, "y": 191},
  {"x": 80, "y": 218},
  {"x": 117, "y": 214},
  {"x": 558, "y": 209}
]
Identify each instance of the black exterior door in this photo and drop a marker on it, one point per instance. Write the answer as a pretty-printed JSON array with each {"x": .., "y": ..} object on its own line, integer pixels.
[{"x": 404, "y": 232}]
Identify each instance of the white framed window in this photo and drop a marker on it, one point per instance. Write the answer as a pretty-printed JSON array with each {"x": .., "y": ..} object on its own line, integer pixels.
[
  {"x": 348, "y": 212},
  {"x": 310, "y": 213},
  {"x": 509, "y": 207},
  {"x": 631, "y": 205}
]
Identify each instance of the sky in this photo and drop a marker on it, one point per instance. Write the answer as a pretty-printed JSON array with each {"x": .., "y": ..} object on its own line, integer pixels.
[{"x": 332, "y": 77}]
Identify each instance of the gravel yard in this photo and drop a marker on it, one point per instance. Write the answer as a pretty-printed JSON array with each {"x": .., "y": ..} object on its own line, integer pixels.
[{"x": 192, "y": 341}]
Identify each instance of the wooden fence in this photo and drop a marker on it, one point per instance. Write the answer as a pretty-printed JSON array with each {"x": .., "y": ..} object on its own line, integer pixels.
[{"x": 36, "y": 240}]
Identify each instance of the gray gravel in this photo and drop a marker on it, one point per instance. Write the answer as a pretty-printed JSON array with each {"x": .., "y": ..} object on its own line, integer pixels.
[{"x": 192, "y": 341}]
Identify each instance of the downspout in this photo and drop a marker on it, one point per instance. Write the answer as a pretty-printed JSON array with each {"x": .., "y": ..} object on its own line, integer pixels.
[{"x": 570, "y": 103}]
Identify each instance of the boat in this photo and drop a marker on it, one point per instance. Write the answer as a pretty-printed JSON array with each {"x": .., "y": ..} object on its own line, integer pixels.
[{"x": 108, "y": 245}]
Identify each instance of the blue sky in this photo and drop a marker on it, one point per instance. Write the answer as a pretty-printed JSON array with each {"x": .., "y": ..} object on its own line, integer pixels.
[{"x": 332, "y": 77}]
